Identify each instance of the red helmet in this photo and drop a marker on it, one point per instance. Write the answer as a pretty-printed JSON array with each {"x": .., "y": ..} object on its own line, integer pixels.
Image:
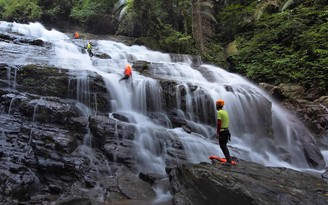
[{"x": 220, "y": 102}]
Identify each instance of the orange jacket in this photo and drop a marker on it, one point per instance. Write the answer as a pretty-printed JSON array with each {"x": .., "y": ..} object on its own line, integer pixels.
[
  {"x": 128, "y": 70},
  {"x": 76, "y": 35}
]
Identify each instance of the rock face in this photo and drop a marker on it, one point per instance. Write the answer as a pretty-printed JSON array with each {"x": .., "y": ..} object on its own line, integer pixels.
[
  {"x": 42, "y": 130},
  {"x": 46, "y": 134},
  {"x": 313, "y": 112},
  {"x": 246, "y": 183}
]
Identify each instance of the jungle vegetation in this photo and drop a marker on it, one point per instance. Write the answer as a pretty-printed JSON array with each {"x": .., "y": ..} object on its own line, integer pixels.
[{"x": 273, "y": 41}]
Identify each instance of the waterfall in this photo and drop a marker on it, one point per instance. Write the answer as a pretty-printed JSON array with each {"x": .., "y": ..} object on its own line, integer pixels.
[{"x": 262, "y": 131}]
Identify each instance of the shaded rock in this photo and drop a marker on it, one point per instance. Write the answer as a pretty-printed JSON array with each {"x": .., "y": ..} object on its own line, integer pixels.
[
  {"x": 105, "y": 128},
  {"x": 314, "y": 113},
  {"x": 133, "y": 187},
  {"x": 266, "y": 86},
  {"x": 37, "y": 42},
  {"x": 284, "y": 91},
  {"x": 323, "y": 100},
  {"x": 102, "y": 56},
  {"x": 292, "y": 91},
  {"x": 18, "y": 182},
  {"x": 50, "y": 81},
  {"x": 141, "y": 66},
  {"x": 6, "y": 37},
  {"x": 151, "y": 178},
  {"x": 246, "y": 183},
  {"x": 79, "y": 124}
]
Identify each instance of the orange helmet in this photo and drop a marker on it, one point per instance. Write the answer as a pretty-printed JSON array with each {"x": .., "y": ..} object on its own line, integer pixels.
[{"x": 220, "y": 102}]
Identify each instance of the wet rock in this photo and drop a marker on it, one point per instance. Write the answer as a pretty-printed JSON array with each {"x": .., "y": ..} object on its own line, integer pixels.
[
  {"x": 19, "y": 184},
  {"x": 50, "y": 81},
  {"x": 246, "y": 183},
  {"x": 325, "y": 175},
  {"x": 105, "y": 128},
  {"x": 151, "y": 178},
  {"x": 79, "y": 124},
  {"x": 313, "y": 112},
  {"x": 6, "y": 37},
  {"x": 133, "y": 187},
  {"x": 102, "y": 56},
  {"x": 37, "y": 42},
  {"x": 141, "y": 66}
]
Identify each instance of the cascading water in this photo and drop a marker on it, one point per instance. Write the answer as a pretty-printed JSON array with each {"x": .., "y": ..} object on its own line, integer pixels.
[{"x": 261, "y": 130}]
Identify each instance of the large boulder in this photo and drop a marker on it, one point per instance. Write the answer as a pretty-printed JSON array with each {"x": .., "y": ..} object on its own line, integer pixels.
[{"x": 247, "y": 183}]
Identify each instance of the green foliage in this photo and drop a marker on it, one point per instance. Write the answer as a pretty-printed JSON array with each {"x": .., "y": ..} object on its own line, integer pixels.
[
  {"x": 20, "y": 10},
  {"x": 215, "y": 55},
  {"x": 232, "y": 19},
  {"x": 86, "y": 10},
  {"x": 56, "y": 10},
  {"x": 149, "y": 16},
  {"x": 174, "y": 41},
  {"x": 287, "y": 47},
  {"x": 94, "y": 15},
  {"x": 183, "y": 8}
]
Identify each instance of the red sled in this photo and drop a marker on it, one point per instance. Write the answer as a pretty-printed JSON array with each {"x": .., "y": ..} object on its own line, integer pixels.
[{"x": 223, "y": 160}]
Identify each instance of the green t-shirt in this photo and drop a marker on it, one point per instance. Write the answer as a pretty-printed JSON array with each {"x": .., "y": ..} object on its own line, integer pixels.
[
  {"x": 89, "y": 47},
  {"x": 224, "y": 117}
]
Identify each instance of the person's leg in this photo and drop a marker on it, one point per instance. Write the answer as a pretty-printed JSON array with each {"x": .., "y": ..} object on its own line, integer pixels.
[
  {"x": 124, "y": 77},
  {"x": 90, "y": 53},
  {"x": 223, "y": 140}
]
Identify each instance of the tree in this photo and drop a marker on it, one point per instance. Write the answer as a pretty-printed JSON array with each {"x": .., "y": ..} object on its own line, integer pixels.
[
  {"x": 201, "y": 22},
  {"x": 56, "y": 11},
  {"x": 184, "y": 8},
  {"x": 95, "y": 15},
  {"x": 149, "y": 16},
  {"x": 20, "y": 10},
  {"x": 86, "y": 10}
]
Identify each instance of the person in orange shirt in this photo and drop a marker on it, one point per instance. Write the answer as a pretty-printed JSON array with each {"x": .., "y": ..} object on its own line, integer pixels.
[
  {"x": 76, "y": 35},
  {"x": 127, "y": 72}
]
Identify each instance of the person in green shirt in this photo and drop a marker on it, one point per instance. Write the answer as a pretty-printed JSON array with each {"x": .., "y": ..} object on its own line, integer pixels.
[
  {"x": 223, "y": 133},
  {"x": 89, "y": 49}
]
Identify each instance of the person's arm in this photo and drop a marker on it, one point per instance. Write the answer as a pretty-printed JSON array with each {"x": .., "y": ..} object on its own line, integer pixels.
[{"x": 218, "y": 127}]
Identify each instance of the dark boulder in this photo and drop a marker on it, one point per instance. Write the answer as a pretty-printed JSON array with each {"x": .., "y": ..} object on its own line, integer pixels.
[{"x": 246, "y": 183}]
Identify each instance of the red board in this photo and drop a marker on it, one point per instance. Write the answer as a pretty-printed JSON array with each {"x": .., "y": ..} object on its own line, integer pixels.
[{"x": 222, "y": 160}]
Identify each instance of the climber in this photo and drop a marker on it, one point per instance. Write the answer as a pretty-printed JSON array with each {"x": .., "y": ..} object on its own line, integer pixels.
[
  {"x": 127, "y": 72},
  {"x": 89, "y": 49},
  {"x": 76, "y": 35},
  {"x": 222, "y": 132}
]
